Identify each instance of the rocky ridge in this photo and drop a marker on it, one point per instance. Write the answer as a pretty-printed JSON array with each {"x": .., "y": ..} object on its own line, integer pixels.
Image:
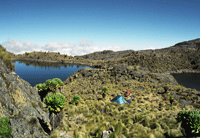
[{"x": 106, "y": 55}]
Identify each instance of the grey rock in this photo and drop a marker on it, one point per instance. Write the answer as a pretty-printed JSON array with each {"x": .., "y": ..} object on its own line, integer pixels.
[
  {"x": 153, "y": 81},
  {"x": 184, "y": 103},
  {"x": 105, "y": 134},
  {"x": 166, "y": 78},
  {"x": 56, "y": 119},
  {"x": 64, "y": 135},
  {"x": 120, "y": 67},
  {"x": 21, "y": 103}
]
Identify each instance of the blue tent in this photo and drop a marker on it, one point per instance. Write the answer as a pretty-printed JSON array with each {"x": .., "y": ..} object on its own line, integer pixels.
[{"x": 119, "y": 99}]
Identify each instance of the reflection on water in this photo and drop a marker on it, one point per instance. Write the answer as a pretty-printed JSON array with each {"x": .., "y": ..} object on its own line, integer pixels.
[{"x": 35, "y": 74}]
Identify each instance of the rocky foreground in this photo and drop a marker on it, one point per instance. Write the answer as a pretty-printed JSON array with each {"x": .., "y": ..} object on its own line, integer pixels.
[{"x": 145, "y": 74}]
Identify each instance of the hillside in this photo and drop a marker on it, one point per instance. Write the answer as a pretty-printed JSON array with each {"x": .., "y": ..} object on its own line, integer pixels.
[
  {"x": 151, "y": 113},
  {"x": 109, "y": 54}
]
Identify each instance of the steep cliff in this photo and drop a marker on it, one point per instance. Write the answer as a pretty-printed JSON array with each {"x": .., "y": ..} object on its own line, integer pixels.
[{"x": 21, "y": 103}]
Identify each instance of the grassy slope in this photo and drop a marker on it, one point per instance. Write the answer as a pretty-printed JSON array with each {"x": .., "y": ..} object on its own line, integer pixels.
[{"x": 91, "y": 115}]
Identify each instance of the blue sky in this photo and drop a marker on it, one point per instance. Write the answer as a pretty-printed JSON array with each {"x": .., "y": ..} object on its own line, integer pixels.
[{"x": 79, "y": 27}]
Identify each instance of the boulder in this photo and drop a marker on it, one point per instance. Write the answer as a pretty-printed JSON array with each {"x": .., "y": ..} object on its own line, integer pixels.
[
  {"x": 143, "y": 73},
  {"x": 166, "y": 78},
  {"x": 105, "y": 134},
  {"x": 56, "y": 118}
]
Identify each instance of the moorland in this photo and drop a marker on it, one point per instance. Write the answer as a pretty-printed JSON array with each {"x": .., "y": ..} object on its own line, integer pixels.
[{"x": 146, "y": 74}]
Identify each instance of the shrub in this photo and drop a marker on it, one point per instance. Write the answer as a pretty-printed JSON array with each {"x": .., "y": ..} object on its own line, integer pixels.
[
  {"x": 5, "y": 129},
  {"x": 26, "y": 54},
  {"x": 65, "y": 56},
  {"x": 105, "y": 89},
  {"x": 75, "y": 99},
  {"x": 54, "y": 84},
  {"x": 59, "y": 81},
  {"x": 48, "y": 82},
  {"x": 191, "y": 118},
  {"x": 41, "y": 86},
  {"x": 55, "y": 102}
]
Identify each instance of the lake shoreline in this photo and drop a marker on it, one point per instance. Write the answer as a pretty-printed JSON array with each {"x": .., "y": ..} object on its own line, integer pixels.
[{"x": 93, "y": 65}]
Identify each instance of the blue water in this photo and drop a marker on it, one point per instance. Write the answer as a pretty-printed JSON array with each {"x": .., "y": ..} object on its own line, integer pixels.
[
  {"x": 36, "y": 74},
  {"x": 189, "y": 80}
]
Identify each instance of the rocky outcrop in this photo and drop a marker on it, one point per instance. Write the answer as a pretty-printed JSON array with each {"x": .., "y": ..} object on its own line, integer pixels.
[
  {"x": 106, "y": 55},
  {"x": 22, "y": 104},
  {"x": 141, "y": 74}
]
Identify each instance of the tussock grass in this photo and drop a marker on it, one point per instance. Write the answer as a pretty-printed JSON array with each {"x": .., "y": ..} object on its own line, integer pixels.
[{"x": 94, "y": 116}]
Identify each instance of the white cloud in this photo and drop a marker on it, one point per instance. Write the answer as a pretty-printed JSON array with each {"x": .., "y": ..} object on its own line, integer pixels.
[
  {"x": 17, "y": 47},
  {"x": 84, "y": 47},
  {"x": 84, "y": 43},
  {"x": 149, "y": 48}
]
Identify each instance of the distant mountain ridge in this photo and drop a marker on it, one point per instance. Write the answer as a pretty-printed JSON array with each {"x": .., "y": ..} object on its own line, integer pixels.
[
  {"x": 195, "y": 43},
  {"x": 110, "y": 54},
  {"x": 106, "y": 55}
]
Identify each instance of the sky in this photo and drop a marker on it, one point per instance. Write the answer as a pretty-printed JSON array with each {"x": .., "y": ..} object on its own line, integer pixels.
[{"x": 79, "y": 27}]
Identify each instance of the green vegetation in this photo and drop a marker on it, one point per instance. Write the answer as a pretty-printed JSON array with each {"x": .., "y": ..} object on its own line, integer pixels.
[
  {"x": 5, "y": 129},
  {"x": 55, "y": 102},
  {"x": 51, "y": 84},
  {"x": 104, "y": 91},
  {"x": 41, "y": 86},
  {"x": 75, "y": 99},
  {"x": 191, "y": 118}
]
